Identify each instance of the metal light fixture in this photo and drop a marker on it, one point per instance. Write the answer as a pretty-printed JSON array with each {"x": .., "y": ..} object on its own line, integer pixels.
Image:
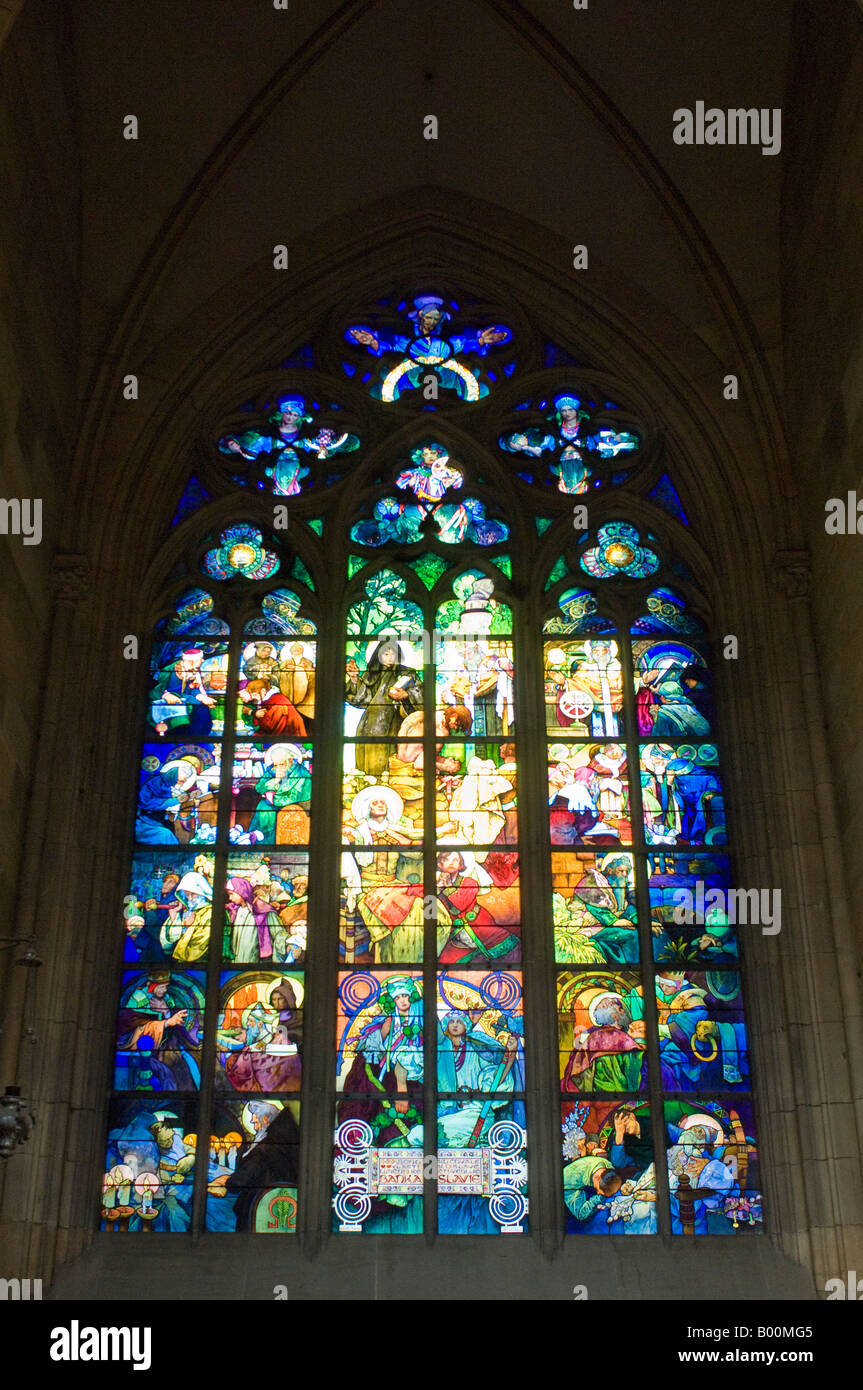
[
  {"x": 16, "y": 1121},
  {"x": 16, "y": 1116}
]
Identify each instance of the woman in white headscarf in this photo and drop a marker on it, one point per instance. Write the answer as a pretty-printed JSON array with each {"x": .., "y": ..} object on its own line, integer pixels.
[{"x": 186, "y": 930}]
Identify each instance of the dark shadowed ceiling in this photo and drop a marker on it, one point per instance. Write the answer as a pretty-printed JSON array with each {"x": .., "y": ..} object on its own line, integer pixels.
[{"x": 541, "y": 112}]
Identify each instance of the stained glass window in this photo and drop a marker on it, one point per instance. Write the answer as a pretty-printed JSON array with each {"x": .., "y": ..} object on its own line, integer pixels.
[
  {"x": 400, "y": 649},
  {"x": 427, "y": 486},
  {"x": 430, "y": 935},
  {"x": 425, "y": 347},
  {"x": 287, "y": 452},
  {"x": 574, "y": 444},
  {"x": 209, "y": 1039},
  {"x": 651, "y": 1025}
]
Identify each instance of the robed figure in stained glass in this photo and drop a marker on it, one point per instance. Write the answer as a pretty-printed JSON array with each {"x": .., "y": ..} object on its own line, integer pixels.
[
  {"x": 388, "y": 692},
  {"x": 606, "y": 1056},
  {"x": 158, "y": 1042},
  {"x": 180, "y": 701},
  {"x": 287, "y": 783},
  {"x": 428, "y": 348}
]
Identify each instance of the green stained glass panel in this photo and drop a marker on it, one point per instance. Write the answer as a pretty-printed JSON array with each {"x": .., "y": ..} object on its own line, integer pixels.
[
  {"x": 559, "y": 571},
  {"x": 299, "y": 571},
  {"x": 429, "y": 568},
  {"x": 383, "y": 608}
]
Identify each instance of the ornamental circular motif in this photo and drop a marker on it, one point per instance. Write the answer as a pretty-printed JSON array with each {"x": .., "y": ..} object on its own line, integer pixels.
[
  {"x": 354, "y": 1136},
  {"x": 507, "y": 1208},
  {"x": 241, "y": 552},
  {"x": 359, "y": 991},
  {"x": 618, "y": 552},
  {"x": 500, "y": 990},
  {"x": 506, "y": 1137},
  {"x": 352, "y": 1206}
]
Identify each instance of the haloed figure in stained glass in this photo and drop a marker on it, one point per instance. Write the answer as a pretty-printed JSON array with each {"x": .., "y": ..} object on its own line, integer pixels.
[{"x": 288, "y": 782}]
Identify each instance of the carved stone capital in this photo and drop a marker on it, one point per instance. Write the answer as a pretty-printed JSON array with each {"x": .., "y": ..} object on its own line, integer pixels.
[
  {"x": 72, "y": 581},
  {"x": 792, "y": 573}
]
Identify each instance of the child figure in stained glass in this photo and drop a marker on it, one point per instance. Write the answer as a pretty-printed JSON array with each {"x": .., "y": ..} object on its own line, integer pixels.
[{"x": 475, "y": 812}]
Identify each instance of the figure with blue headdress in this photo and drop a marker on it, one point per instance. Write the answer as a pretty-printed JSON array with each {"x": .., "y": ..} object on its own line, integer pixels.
[
  {"x": 427, "y": 347},
  {"x": 286, "y": 469}
]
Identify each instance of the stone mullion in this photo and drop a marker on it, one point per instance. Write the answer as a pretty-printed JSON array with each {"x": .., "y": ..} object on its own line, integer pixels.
[
  {"x": 542, "y": 1101},
  {"x": 318, "y": 1097}
]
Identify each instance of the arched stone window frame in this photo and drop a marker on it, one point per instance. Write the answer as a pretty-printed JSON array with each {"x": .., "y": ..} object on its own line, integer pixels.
[{"x": 730, "y": 466}]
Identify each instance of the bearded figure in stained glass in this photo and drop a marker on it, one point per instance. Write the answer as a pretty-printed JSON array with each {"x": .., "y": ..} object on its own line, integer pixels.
[
  {"x": 287, "y": 783},
  {"x": 180, "y": 701},
  {"x": 608, "y": 1054}
]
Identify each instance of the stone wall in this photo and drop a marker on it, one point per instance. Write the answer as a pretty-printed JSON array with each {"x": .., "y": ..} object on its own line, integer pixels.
[
  {"x": 39, "y": 296},
  {"x": 823, "y": 346}
]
